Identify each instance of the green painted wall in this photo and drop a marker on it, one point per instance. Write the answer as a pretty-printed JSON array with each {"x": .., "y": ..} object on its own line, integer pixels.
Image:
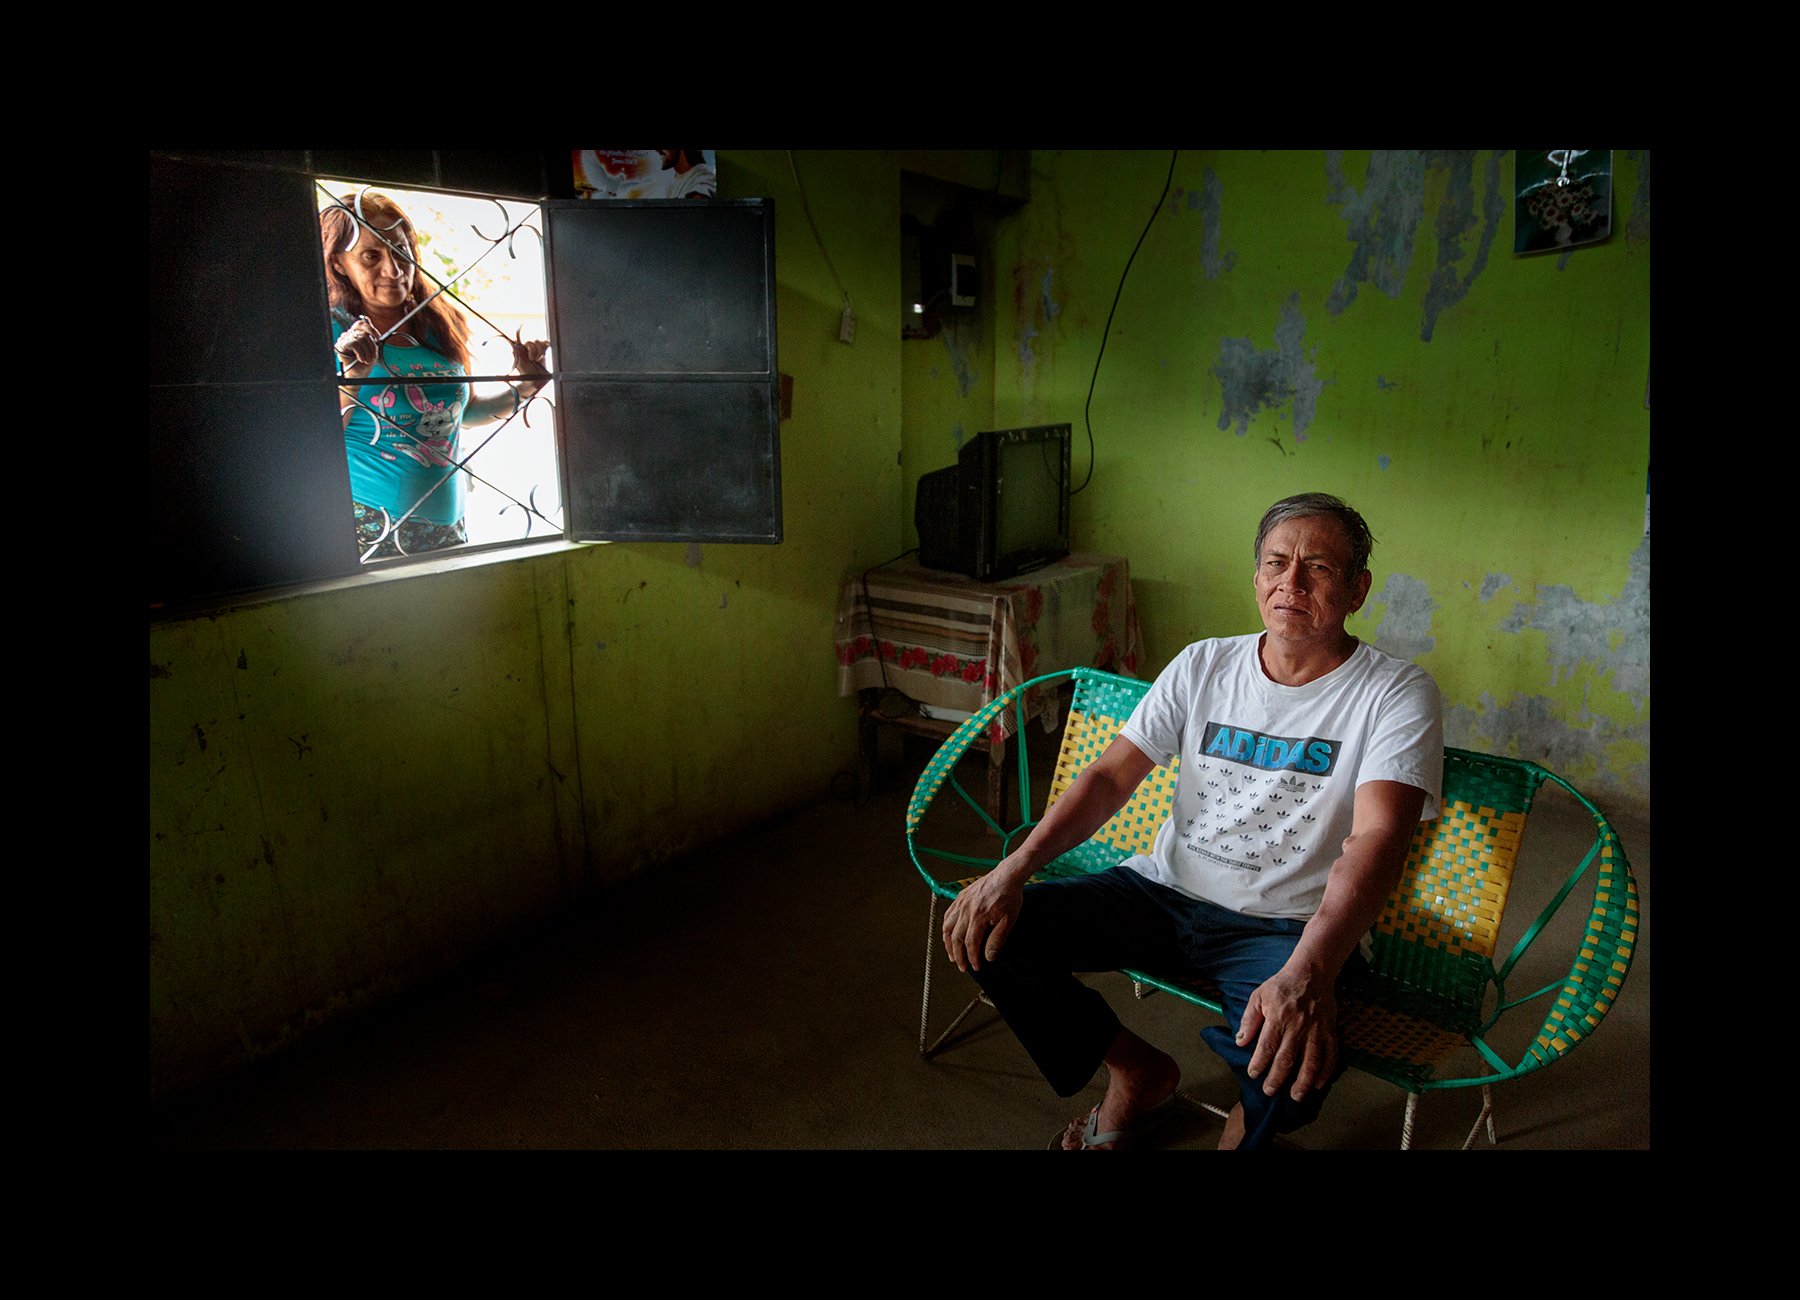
[
  {"x": 947, "y": 381},
  {"x": 949, "y": 387},
  {"x": 1357, "y": 323},
  {"x": 353, "y": 790}
]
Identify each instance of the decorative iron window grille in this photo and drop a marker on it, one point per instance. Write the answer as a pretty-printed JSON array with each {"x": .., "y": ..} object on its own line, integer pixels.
[
  {"x": 658, "y": 421},
  {"x": 417, "y": 409}
]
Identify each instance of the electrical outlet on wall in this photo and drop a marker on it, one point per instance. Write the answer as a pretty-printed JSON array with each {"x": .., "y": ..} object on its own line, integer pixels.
[
  {"x": 965, "y": 278},
  {"x": 847, "y": 326}
]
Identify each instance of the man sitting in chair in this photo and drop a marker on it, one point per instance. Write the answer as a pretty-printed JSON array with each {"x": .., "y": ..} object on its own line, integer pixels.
[{"x": 1307, "y": 759}]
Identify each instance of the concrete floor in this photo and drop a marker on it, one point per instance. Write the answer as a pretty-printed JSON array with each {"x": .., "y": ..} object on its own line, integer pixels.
[{"x": 768, "y": 998}]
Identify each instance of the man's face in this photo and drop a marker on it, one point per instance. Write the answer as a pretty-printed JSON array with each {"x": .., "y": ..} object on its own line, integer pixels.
[{"x": 1303, "y": 583}]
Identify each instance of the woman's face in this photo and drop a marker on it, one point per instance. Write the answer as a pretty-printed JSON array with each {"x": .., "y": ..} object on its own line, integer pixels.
[{"x": 382, "y": 277}]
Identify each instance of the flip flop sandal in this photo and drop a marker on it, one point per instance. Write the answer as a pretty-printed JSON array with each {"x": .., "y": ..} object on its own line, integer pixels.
[
  {"x": 1075, "y": 1128},
  {"x": 1088, "y": 1128}
]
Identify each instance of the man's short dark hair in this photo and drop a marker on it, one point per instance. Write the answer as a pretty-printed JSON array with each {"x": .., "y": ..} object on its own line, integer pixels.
[{"x": 1312, "y": 505}]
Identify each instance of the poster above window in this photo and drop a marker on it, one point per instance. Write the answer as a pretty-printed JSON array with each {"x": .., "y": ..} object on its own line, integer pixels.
[
  {"x": 645, "y": 174},
  {"x": 1564, "y": 198}
]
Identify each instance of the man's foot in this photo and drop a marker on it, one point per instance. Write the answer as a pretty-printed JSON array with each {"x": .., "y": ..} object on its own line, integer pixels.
[
  {"x": 1234, "y": 1129},
  {"x": 1085, "y": 1133},
  {"x": 1070, "y": 1138},
  {"x": 1140, "y": 1079}
]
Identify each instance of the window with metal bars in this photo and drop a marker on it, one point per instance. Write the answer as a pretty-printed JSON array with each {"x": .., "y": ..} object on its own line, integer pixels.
[
  {"x": 657, "y": 419},
  {"x": 436, "y": 462}
]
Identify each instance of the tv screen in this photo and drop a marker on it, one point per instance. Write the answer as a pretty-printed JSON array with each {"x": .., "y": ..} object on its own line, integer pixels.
[
  {"x": 1028, "y": 505},
  {"x": 1002, "y": 509}
]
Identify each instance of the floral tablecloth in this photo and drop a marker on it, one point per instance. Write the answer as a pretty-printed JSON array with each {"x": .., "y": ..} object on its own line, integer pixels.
[{"x": 955, "y": 643}]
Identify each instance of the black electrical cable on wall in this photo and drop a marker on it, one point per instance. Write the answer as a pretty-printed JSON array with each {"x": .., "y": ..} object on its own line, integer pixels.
[{"x": 1085, "y": 417}]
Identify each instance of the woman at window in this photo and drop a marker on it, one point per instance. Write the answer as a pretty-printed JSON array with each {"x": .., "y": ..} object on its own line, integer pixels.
[{"x": 409, "y": 344}]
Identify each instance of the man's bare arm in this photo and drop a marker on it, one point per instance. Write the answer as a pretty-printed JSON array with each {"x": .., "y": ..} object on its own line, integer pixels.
[
  {"x": 1292, "y": 1018},
  {"x": 976, "y": 924}
]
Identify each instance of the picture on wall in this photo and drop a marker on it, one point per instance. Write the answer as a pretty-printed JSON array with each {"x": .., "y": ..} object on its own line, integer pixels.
[
  {"x": 645, "y": 174},
  {"x": 1564, "y": 198}
]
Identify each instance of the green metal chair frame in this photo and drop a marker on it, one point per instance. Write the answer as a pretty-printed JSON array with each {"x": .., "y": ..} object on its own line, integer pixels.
[{"x": 1434, "y": 993}]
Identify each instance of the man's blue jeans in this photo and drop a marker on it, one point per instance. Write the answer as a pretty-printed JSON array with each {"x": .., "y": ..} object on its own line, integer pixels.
[{"x": 1115, "y": 919}]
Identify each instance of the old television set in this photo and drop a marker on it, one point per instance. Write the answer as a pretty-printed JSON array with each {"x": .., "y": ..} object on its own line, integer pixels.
[{"x": 1002, "y": 509}]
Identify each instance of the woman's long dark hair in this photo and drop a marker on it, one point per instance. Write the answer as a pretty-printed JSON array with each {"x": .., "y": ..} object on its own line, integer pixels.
[{"x": 440, "y": 324}]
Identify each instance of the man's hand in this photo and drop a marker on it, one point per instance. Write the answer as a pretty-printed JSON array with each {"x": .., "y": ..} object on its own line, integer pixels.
[
  {"x": 978, "y": 919},
  {"x": 1292, "y": 1018}
]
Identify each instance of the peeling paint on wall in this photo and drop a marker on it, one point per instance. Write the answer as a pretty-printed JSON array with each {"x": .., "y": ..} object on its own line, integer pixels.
[
  {"x": 1034, "y": 297},
  {"x": 1456, "y": 218},
  {"x": 1493, "y": 585},
  {"x": 1405, "y": 627},
  {"x": 1212, "y": 262},
  {"x": 959, "y": 361},
  {"x": 1535, "y": 727},
  {"x": 691, "y": 557},
  {"x": 1383, "y": 220},
  {"x": 1252, "y": 380},
  {"x": 1609, "y": 638},
  {"x": 1583, "y": 634}
]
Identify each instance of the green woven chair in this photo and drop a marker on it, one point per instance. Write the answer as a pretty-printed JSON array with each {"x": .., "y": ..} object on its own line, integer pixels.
[{"x": 1434, "y": 1012}]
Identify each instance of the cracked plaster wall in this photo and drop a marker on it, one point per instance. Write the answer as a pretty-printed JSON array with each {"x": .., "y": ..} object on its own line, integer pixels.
[
  {"x": 1356, "y": 322},
  {"x": 354, "y": 789}
]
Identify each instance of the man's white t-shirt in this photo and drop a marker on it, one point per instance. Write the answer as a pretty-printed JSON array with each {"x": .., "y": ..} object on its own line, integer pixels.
[{"x": 1268, "y": 778}]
